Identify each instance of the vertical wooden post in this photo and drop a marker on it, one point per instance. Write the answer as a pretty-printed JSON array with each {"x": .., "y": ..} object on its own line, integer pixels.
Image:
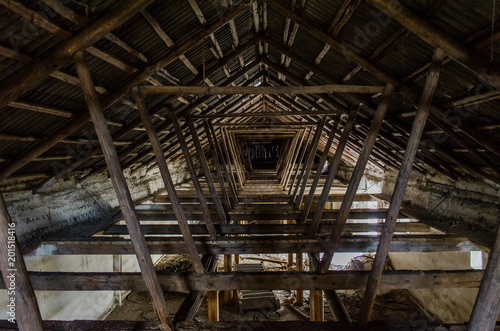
[
  {"x": 299, "y": 161},
  {"x": 317, "y": 177},
  {"x": 308, "y": 165},
  {"x": 317, "y": 306},
  {"x": 218, "y": 169},
  {"x": 400, "y": 188},
  {"x": 330, "y": 177},
  {"x": 299, "y": 293},
  {"x": 15, "y": 276},
  {"x": 213, "y": 306},
  {"x": 123, "y": 193},
  {"x": 487, "y": 307},
  {"x": 192, "y": 171},
  {"x": 204, "y": 165},
  {"x": 228, "y": 263},
  {"x": 343, "y": 214}
]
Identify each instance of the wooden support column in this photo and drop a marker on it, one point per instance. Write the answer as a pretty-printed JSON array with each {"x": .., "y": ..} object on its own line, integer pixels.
[
  {"x": 213, "y": 306},
  {"x": 321, "y": 165},
  {"x": 487, "y": 306},
  {"x": 303, "y": 144},
  {"x": 228, "y": 267},
  {"x": 228, "y": 157},
  {"x": 192, "y": 171},
  {"x": 123, "y": 194},
  {"x": 330, "y": 177},
  {"x": 208, "y": 176},
  {"x": 317, "y": 306},
  {"x": 15, "y": 276},
  {"x": 308, "y": 165},
  {"x": 299, "y": 293},
  {"x": 334, "y": 239},
  {"x": 400, "y": 188},
  {"x": 218, "y": 169}
]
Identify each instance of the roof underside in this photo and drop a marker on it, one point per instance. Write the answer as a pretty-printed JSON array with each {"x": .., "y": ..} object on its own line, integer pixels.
[{"x": 249, "y": 57}]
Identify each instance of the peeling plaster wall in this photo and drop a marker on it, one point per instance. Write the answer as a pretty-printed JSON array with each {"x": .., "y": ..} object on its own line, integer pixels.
[
  {"x": 69, "y": 204},
  {"x": 449, "y": 306},
  {"x": 73, "y": 206},
  {"x": 471, "y": 209},
  {"x": 465, "y": 208}
]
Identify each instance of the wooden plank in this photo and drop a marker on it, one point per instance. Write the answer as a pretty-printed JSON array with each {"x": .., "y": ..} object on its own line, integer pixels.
[
  {"x": 206, "y": 171},
  {"x": 226, "y": 229},
  {"x": 270, "y": 114},
  {"x": 270, "y": 280},
  {"x": 304, "y": 145},
  {"x": 22, "y": 305},
  {"x": 356, "y": 176},
  {"x": 123, "y": 193},
  {"x": 218, "y": 169},
  {"x": 321, "y": 165},
  {"x": 308, "y": 165},
  {"x": 169, "y": 185},
  {"x": 248, "y": 245},
  {"x": 332, "y": 172},
  {"x": 487, "y": 305},
  {"x": 40, "y": 108},
  {"x": 214, "y": 90},
  {"x": 157, "y": 27},
  {"x": 235, "y": 325},
  {"x": 207, "y": 218},
  {"x": 400, "y": 188}
]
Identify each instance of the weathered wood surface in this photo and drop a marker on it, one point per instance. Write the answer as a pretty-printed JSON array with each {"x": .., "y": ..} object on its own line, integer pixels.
[
  {"x": 214, "y": 90},
  {"x": 224, "y": 229},
  {"x": 269, "y": 280},
  {"x": 258, "y": 245},
  {"x": 26, "y": 310},
  {"x": 400, "y": 188},
  {"x": 230, "y": 326},
  {"x": 123, "y": 193}
]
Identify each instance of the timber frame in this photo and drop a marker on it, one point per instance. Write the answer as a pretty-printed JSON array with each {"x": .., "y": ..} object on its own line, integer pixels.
[{"x": 151, "y": 94}]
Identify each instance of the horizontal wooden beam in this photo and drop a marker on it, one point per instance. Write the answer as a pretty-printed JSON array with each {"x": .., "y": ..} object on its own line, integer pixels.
[
  {"x": 270, "y": 114},
  {"x": 214, "y": 281},
  {"x": 224, "y": 229},
  {"x": 234, "y": 325},
  {"x": 266, "y": 125},
  {"x": 242, "y": 245},
  {"x": 214, "y": 90}
]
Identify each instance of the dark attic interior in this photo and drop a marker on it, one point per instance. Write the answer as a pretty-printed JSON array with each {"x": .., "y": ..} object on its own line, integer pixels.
[{"x": 249, "y": 165}]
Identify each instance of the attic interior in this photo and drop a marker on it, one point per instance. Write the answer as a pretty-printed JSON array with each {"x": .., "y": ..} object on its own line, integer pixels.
[{"x": 249, "y": 165}]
